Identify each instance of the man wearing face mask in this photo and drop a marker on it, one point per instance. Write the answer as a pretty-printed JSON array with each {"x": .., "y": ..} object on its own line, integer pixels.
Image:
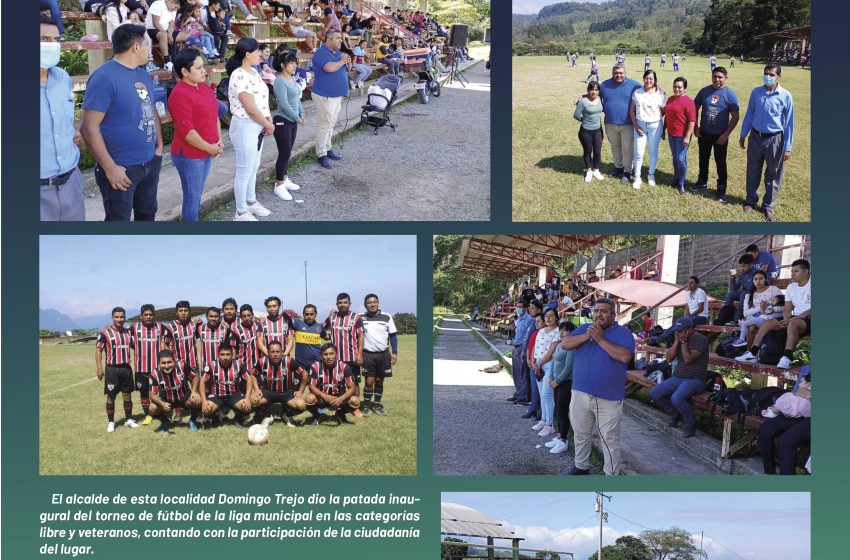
[
  {"x": 769, "y": 121},
  {"x": 523, "y": 325},
  {"x": 62, "y": 185}
]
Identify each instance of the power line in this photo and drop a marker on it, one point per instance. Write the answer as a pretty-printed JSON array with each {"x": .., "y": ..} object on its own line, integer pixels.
[{"x": 588, "y": 518}]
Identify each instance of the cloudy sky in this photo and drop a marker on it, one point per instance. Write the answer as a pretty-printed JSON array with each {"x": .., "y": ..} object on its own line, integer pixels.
[
  {"x": 533, "y": 6},
  {"x": 732, "y": 522},
  {"x": 89, "y": 275}
]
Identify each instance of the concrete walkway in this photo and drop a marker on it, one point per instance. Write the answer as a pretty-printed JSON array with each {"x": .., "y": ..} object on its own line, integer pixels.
[{"x": 219, "y": 187}]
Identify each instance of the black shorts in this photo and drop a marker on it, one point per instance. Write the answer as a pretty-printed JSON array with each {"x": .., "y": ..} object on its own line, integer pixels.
[
  {"x": 377, "y": 364},
  {"x": 808, "y": 321},
  {"x": 230, "y": 401},
  {"x": 143, "y": 382},
  {"x": 182, "y": 403},
  {"x": 355, "y": 371},
  {"x": 275, "y": 397},
  {"x": 117, "y": 379}
]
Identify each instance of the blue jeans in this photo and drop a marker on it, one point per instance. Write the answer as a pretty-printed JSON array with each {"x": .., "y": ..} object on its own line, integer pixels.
[
  {"x": 363, "y": 72},
  {"x": 534, "y": 403},
  {"x": 680, "y": 159},
  {"x": 652, "y": 136},
  {"x": 208, "y": 44},
  {"x": 193, "y": 176},
  {"x": 731, "y": 297},
  {"x": 519, "y": 365},
  {"x": 244, "y": 135},
  {"x": 547, "y": 395},
  {"x": 672, "y": 396},
  {"x": 139, "y": 200}
]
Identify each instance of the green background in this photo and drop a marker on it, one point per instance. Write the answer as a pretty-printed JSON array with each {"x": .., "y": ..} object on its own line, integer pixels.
[{"x": 25, "y": 493}]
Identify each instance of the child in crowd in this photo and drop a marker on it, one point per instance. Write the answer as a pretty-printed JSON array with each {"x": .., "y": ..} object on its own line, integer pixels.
[
  {"x": 191, "y": 23},
  {"x": 793, "y": 405},
  {"x": 363, "y": 70},
  {"x": 769, "y": 310},
  {"x": 217, "y": 22}
]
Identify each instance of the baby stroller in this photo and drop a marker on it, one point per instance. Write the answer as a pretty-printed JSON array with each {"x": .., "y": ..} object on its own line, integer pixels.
[{"x": 376, "y": 111}]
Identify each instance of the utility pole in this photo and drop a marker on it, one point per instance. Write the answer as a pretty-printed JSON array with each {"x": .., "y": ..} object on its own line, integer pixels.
[
  {"x": 600, "y": 508},
  {"x": 701, "y": 535},
  {"x": 306, "y": 299}
]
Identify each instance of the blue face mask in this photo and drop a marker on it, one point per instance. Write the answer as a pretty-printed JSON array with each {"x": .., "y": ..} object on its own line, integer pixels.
[
  {"x": 520, "y": 311},
  {"x": 769, "y": 81}
]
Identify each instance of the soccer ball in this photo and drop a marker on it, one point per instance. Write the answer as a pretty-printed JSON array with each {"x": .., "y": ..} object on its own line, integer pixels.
[{"x": 258, "y": 435}]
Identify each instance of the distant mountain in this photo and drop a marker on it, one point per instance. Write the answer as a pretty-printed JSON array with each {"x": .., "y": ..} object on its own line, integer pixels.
[
  {"x": 100, "y": 321},
  {"x": 53, "y": 320}
]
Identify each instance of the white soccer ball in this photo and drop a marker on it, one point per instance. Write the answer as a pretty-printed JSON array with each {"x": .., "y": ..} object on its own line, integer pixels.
[{"x": 258, "y": 435}]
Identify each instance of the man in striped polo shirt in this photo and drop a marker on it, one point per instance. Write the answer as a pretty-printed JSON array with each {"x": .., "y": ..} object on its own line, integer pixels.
[
  {"x": 379, "y": 335},
  {"x": 183, "y": 338},
  {"x": 149, "y": 337},
  {"x": 225, "y": 383},
  {"x": 308, "y": 337},
  {"x": 250, "y": 336},
  {"x": 212, "y": 334},
  {"x": 116, "y": 342},
  {"x": 277, "y": 326},
  {"x": 280, "y": 380},
  {"x": 229, "y": 313},
  {"x": 332, "y": 385},
  {"x": 172, "y": 387},
  {"x": 345, "y": 329}
]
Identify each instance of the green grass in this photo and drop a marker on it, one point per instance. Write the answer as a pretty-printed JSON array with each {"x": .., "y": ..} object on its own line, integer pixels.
[
  {"x": 73, "y": 438},
  {"x": 547, "y": 157}
]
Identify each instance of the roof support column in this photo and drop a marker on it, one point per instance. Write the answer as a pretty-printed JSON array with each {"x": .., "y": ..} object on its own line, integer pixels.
[
  {"x": 515, "y": 548},
  {"x": 491, "y": 552},
  {"x": 668, "y": 246},
  {"x": 788, "y": 254}
]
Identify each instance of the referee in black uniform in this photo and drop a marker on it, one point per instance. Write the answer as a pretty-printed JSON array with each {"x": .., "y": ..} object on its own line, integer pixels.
[{"x": 379, "y": 336}]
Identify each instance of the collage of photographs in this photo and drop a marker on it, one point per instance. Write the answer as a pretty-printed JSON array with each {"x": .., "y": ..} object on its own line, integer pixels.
[{"x": 618, "y": 360}]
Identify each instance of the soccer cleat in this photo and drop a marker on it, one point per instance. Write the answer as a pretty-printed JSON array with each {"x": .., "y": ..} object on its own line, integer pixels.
[
  {"x": 784, "y": 362},
  {"x": 378, "y": 409},
  {"x": 163, "y": 428},
  {"x": 747, "y": 357},
  {"x": 258, "y": 209},
  {"x": 193, "y": 426},
  {"x": 651, "y": 180},
  {"x": 281, "y": 192},
  {"x": 110, "y": 427},
  {"x": 246, "y": 217},
  {"x": 290, "y": 185},
  {"x": 538, "y": 426},
  {"x": 588, "y": 176},
  {"x": 130, "y": 423},
  {"x": 147, "y": 420},
  {"x": 365, "y": 409},
  {"x": 559, "y": 447}
]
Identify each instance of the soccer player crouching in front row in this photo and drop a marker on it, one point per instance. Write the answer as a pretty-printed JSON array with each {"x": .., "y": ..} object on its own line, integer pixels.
[
  {"x": 332, "y": 384},
  {"x": 173, "y": 388},
  {"x": 225, "y": 383},
  {"x": 280, "y": 380}
]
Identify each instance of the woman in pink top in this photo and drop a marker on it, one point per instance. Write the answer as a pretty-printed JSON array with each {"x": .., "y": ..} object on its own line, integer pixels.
[{"x": 680, "y": 116}]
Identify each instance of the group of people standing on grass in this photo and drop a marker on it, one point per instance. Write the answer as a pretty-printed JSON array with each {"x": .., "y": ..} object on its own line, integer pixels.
[{"x": 638, "y": 117}]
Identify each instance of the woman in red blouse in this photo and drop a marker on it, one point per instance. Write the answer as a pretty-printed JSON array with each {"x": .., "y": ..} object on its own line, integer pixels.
[
  {"x": 197, "y": 130},
  {"x": 680, "y": 115}
]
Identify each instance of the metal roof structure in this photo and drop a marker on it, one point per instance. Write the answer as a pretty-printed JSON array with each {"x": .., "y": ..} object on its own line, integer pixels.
[
  {"x": 644, "y": 292},
  {"x": 463, "y": 521},
  {"x": 795, "y": 33},
  {"x": 515, "y": 255}
]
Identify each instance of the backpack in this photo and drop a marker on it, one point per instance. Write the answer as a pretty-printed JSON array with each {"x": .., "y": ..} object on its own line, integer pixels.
[
  {"x": 772, "y": 347},
  {"x": 726, "y": 350},
  {"x": 742, "y": 402}
]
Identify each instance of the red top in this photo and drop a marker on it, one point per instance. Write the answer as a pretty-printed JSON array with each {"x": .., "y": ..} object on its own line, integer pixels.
[
  {"x": 678, "y": 113},
  {"x": 193, "y": 108}
]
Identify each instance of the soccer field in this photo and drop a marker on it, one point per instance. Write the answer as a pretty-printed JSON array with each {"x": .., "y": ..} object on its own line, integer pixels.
[
  {"x": 548, "y": 181},
  {"x": 73, "y": 437}
]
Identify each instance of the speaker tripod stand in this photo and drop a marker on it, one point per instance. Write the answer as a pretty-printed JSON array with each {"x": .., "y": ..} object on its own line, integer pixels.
[{"x": 454, "y": 72}]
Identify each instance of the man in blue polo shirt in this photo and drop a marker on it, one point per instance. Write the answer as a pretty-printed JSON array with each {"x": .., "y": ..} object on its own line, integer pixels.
[
  {"x": 762, "y": 260},
  {"x": 602, "y": 350},
  {"x": 62, "y": 187},
  {"x": 720, "y": 113},
  {"x": 769, "y": 121},
  {"x": 330, "y": 86},
  {"x": 523, "y": 325},
  {"x": 616, "y": 93}
]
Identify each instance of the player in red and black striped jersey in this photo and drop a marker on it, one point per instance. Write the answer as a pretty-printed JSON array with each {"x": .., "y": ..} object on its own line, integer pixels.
[
  {"x": 331, "y": 383},
  {"x": 225, "y": 382},
  {"x": 277, "y": 326},
  {"x": 212, "y": 334},
  {"x": 280, "y": 380},
  {"x": 149, "y": 337},
  {"x": 173, "y": 386},
  {"x": 250, "y": 335},
  {"x": 229, "y": 313},
  {"x": 116, "y": 343},
  {"x": 184, "y": 335},
  {"x": 345, "y": 329}
]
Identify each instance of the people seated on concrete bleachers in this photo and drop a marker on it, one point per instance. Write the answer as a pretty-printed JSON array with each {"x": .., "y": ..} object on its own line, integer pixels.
[
  {"x": 696, "y": 309},
  {"x": 690, "y": 352},
  {"x": 115, "y": 12},
  {"x": 160, "y": 25},
  {"x": 789, "y": 428},
  {"x": 296, "y": 27},
  {"x": 652, "y": 272},
  {"x": 384, "y": 55},
  {"x": 796, "y": 316},
  {"x": 763, "y": 302},
  {"x": 315, "y": 13},
  {"x": 763, "y": 260},
  {"x": 217, "y": 23},
  {"x": 278, "y": 6},
  {"x": 740, "y": 283},
  {"x": 635, "y": 272}
]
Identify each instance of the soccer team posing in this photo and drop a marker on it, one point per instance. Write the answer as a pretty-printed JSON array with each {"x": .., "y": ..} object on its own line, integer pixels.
[{"x": 245, "y": 364}]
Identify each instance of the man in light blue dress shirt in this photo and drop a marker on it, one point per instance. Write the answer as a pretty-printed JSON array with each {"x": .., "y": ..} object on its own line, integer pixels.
[
  {"x": 770, "y": 124},
  {"x": 62, "y": 185}
]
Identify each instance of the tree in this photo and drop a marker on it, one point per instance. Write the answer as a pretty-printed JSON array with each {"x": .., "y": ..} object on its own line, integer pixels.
[
  {"x": 672, "y": 544},
  {"x": 405, "y": 323},
  {"x": 547, "y": 555},
  {"x": 627, "y": 547},
  {"x": 452, "y": 551}
]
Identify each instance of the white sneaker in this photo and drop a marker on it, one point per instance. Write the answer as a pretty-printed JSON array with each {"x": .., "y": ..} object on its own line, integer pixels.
[
  {"x": 246, "y": 217},
  {"x": 276, "y": 19},
  {"x": 651, "y": 180},
  {"x": 130, "y": 423},
  {"x": 559, "y": 447},
  {"x": 281, "y": 192},
  {"x": 636, "y": 184},
  {"x": 539, "y": 426},
  {"x": 552, "y": 442},
  {"x": 598, "y": 175},
  {"x": 290, "y": 185},
  {"x": 588, "y": 176},
  {"x": 546, "y": 431},
  {"x": 784, "y": 362},
  {"x": 168, "y": 66},
  {"x": 258, "y": 209},
  {"x": 110, "y": 427},
  {"x": 747, "y": 357},
  {"x": 738, "y": 343},
  {"x": 250, "y": 17}
]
